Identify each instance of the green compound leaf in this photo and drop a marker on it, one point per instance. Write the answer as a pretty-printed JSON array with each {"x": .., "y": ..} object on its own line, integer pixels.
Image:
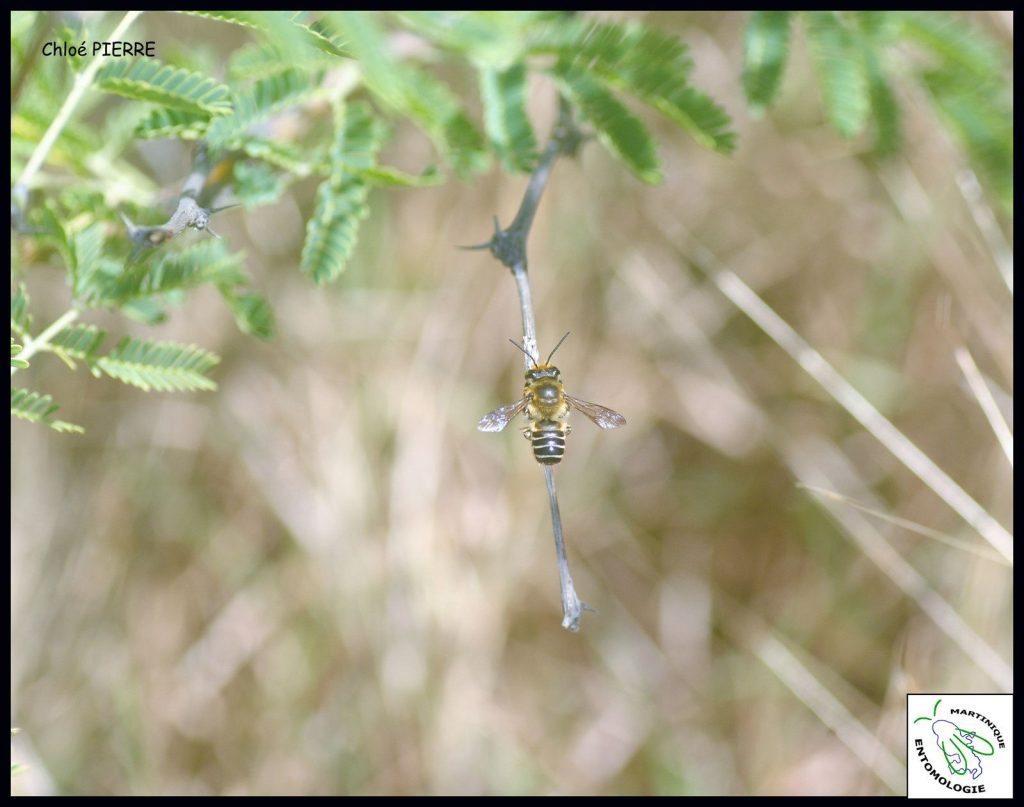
[
  {"x": 21, "y": 364},
  {"x": 650, "y": 62},
  {"x": 160, "y": 366},
  {"x": 888, "y": 132},
  {"x": 203, "y": 262},
  {"x": 250, "y": 19},
  {"x": 341, "y": 198},
  {"x": 21, "y": 320},
  {"x": 282, "y": 155},
  {"x": 321, "y": 35},
  {"x": 618, "y": 130},
  {"x": 263, "y": 99},
  {"x": 704, "y": 119},
  {"x": 74, "y": 144},
  {"x": 252, "y": 313},
  {"x": 260, "y": 60},
  {"x": 311, "y": 47},
  {"x": 505, "y": 119},
  {"x": 87, "y": 252},
  {"x": 844, "y": 85},
  {"x": 649, "y": 65},
  {"x": 981, "y": 117},
  {"x": 494, "y": 39},
  {"x": 255, "y": 184},
  {"x": 145, "y": 310},
  {"x": 162, "y": 122},
  {"x": 392, "y": 177},
  {"x": 435, "y": 108},
  {"x": 332, "y": 229},
  {"x": 173, "y": 87},
  {"x": 953, "y": 42},
  {"x": 765, "y": 48},
  {"x": 37, "y": 408},
  {"x": 414, "y": 93},
  {"x": 80, "y": 342},
  {"x": 358, "y": 141}
]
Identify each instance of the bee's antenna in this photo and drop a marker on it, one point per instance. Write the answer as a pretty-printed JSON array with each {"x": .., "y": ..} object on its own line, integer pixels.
[
  {"x": 523, "y": 349},
  {"x": 552, "y": 353}
]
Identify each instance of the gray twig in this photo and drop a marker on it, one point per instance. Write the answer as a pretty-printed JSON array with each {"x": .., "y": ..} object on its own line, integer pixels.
[
  {"x": 509, "y": 247},
  {"x": 189, "y": 212}
]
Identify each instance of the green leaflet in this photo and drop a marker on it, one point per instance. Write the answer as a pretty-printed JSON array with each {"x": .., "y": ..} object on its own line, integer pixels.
[
  {"x": 252, "y": 313},
  {"x": 331, "y": 230},
  {"x": 321, "y": 35},
  {"x": 358, "y": 139},
  {"x": 341, "y": 198},
  {"x": 648, "y": 64},
  {"x": 21, "y": 320},
  {"x": 250, "y": 19},
  {"x": 953, "y": 42},
  {"x": 173, "y": 87},
  {"x": 844, "y": 85},
  {"x": 261, "y": 59},
  {"x": 87, "y": 249},
  {"x": 505, "y": 119},
  {"x": 282, "y": 155},
  {"x": 704, "y": 119},
  {"x": 971, "y": 93},
  {"x": 21, "y": 364},
  {"x": 622, "y": 133},
  {"x": 37, "y": 408},
  {"x": 75, "y": 143},
  {"x": 267, "y": 96},
  {"x": 163, "y": 122},
  {"x": 886, "y": 111},
  {"x": 77, "y": 342},
  {"x": 765, "y": 48},
  {"x": 255, "y": 183},
  {"x": 145, "y": 310},
  {"x": 492, "y": 39},
  {"x": 160, "y": 366},
  {"x": 434, "y": 107},
  {"x": 981, "y": 117},
  {"x": 392, "y": 177},
  {"x": 203, "y": 262},
  {"x": 310, "y": 47},
  {"x": 413, "y": 92}
]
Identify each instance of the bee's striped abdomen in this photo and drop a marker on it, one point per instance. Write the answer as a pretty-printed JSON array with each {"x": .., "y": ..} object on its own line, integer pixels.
[{"x": 548, "y": 440}]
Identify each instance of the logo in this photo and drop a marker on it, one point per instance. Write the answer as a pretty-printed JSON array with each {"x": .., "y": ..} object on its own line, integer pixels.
[{"x": 958, "y": 746}]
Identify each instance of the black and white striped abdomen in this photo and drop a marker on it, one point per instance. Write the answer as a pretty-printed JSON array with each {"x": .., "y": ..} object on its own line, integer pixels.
[{"x": 548, "y": 440}]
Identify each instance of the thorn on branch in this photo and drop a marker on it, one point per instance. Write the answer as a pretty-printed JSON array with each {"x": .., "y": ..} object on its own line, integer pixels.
[
  {"x": 188, "y": 214},
  {"x": 567, "y": 135},
  {"x": 508, "y": 246}
]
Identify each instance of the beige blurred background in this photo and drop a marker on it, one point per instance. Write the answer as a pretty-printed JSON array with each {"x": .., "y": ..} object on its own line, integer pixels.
[{"x": 321, "y": 579}]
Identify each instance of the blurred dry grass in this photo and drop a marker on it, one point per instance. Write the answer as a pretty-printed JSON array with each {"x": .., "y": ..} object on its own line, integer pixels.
[{"x": 323, "y": 580}]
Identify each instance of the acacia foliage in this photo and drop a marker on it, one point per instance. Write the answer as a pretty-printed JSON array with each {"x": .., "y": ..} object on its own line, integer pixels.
[
  {"x": 864, "y": 59},
  {"x": 314, "y": 97}
]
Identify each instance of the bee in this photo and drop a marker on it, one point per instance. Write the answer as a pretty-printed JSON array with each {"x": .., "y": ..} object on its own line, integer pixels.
[{"x": 547, "y": 408}]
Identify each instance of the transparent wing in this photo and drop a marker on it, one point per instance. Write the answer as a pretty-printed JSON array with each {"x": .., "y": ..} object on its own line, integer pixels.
[
  {"x": 498, "y": 419},
  {"x": 601, "y": 415}
]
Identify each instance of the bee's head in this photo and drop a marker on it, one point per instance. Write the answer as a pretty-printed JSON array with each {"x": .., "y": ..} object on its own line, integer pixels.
[
  {"x": 538, "y": 372},
  {"x": 545, "y": 370}
]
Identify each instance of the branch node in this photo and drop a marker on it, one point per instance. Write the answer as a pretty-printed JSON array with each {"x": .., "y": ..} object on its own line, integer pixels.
[{"x": 567, "y": 135}]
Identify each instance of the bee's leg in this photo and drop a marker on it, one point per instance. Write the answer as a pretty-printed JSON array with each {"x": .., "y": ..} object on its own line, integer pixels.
[
  {"x": 526, "y": 433},
  {"x": 568, "y": 429}
]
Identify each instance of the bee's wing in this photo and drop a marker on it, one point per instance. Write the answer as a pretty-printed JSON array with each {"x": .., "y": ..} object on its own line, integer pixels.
[
  {"x": 601, "y": 415},
  {"x": 498, "y": 419}
]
